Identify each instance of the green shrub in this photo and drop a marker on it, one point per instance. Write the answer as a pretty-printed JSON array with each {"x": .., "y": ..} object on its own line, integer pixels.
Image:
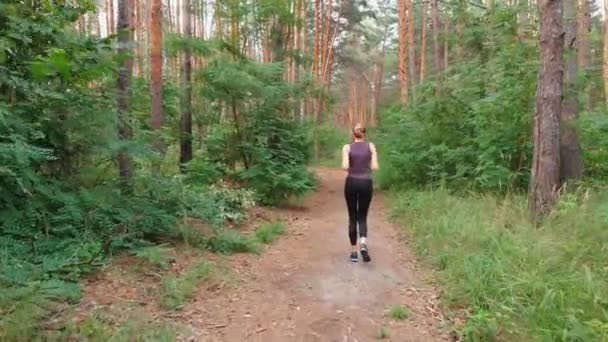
[
  {"x": 384, "y": 333},
  {"x": 157, "y": 256},
  {"x": 518, "y": 281},
  {"x": 175, "y": 291},
  {"x": 23, "y": 307},
  {"x": 330, "y": 142},
  {"x": 594, "y": 127},
  {"x": 230, "y": 242},
  {"x": 400, "y": 312},
  {"x": 264, "y": 145},
  {"x": 278, "y": 160},
  {"x": 101, "y": 327},
  {"x": 470, "y": 127},
  {"x": 269, "y": 232}
]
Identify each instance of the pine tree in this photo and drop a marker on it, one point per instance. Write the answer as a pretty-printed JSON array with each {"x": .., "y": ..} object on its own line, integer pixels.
[{"x": 545, "y": 172}]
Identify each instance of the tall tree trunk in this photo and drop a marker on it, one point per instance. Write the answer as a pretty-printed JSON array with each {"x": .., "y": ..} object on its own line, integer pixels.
[
  {"x": 544, "y": 181},
  {"x": 98, "y": 23},
  {"x": 110, "y": 16},
  {"x": 156, "y": 67},
  {"x": 605, "y": 68},
  {"x": 219, "y": 26},
  {"x": 411, "y": 42},
  {"x": 446, "y": 45},
  {"x": 582, "y": 36},
  {"x": 582, "y": 43},
  {"x": 303, "y": 50},
  {"x": 570, "y": 154},
  {"x": 316, "y": 74},
  {"x": 316, "y": 64},
  {"x": 378, "y": 80},
  {"x": 435, "y": 29},
  {"x": 327, "y": 35},
  {"x": 185, "y": 150},
  {"x": 125, "y": 162},
  {"x": 403, "y": 53},
  {"x": 317, "y": 50},
  {"x": 523, "y": 18},
  {"x": 327, "y": 70},
  {"x": 178, "y": 17},
  {"x": 425, "y": 10}
]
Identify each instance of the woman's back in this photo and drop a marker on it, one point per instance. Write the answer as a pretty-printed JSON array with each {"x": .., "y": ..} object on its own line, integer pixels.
[{"x": 360, "y": 157}]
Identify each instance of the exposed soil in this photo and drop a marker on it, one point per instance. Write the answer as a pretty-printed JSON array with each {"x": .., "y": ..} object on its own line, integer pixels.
[{"x": 304, "y": 287}]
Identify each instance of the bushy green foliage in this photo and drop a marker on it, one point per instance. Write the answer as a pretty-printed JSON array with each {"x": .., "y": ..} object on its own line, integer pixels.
[
  {"x": 228, "y": 242},
  {"x": 175, "y": 291},
  {"x": 384, "y": 333},
  {"x": 518, "y": 281},
  {"x": 330, "y": 142},
  {"x": 470, "y": 127},
  {"x": 101, "y": 327},
  {"x": 278, "y": 160},
  {"x": 61, "y": 211},
  {"x": 270, "y": 148},
  {"x": 400, "y": 312},
  {"x": 594, "y": 144},
  {"x": 22, "y": 308},
  {"x": 269, "y": 232},
  {"x": 157, "y": 256}
]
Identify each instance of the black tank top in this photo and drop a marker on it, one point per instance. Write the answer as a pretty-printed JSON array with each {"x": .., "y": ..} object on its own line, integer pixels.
[{"x": 360, "y": 159}]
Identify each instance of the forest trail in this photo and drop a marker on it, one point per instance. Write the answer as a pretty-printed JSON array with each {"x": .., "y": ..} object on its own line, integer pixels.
[{"x": 304, "y": 288}]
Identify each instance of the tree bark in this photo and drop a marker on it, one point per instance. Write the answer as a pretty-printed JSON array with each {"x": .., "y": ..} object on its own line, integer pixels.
[
  {"x": 411, "y": 42},
  {"x": 156, "y": 67},
  {"x": 435, "y": 29},
  {"x": 327, "y": 41},
  {"x": 582, "y": 36},
  {"x": 570, "y": 151},
  {"x": 446, "y": 44},
  {"x": 523, "y": 18},
  {"x": 377, "y": 80},
  {"x": 605, "y": 64},
  {"x": 582, "y": 44},
  {"x": 185, "y": 154},
  {"x": 425, "y": 9},
  {"x": 317, "y": 52},
  {"x": 304, "y": 50},
  {"x": 403, "y": 53},
  {"x": 125, "y": 162},
  {"x": 544, "y": 181},
  {"x": 110, "y": 16}
]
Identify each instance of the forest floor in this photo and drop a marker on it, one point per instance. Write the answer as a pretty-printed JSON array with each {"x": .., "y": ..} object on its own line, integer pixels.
[{"x": 303, "y": 287}]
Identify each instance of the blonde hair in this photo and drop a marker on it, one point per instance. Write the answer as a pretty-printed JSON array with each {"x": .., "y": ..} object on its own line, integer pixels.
[{"x": 359, "y": 131}]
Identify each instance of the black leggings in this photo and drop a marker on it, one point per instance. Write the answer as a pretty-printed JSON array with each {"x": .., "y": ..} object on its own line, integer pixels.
[{"x": 358, "y": 194}]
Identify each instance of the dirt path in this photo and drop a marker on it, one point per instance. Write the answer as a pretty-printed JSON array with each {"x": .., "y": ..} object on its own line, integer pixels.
[{"x": 304, "y": 288}]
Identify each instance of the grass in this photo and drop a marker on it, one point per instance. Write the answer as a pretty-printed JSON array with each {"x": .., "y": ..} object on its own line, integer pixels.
[
  {"x": 229, "y": 242},
  {"x": 22, "y": 309},
  {"x": 176, "y": 291},
  {"x": 384, "y": 333},
  {"x": 101, "y": 326},
  {"x": 155, "y": 256},
  {"x": 269, "y": 232},
  {"x": 515, "y": 281},
  {"x": 400, "y": 313}
]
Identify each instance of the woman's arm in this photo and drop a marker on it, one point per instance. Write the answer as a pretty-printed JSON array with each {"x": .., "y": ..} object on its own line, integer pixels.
[
  {"x": 345, "y": 162},
  {"x": 375, "y": 165}
]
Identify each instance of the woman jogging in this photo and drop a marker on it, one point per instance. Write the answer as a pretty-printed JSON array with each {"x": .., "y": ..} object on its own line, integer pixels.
[{"x": 359, "y": 159}]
